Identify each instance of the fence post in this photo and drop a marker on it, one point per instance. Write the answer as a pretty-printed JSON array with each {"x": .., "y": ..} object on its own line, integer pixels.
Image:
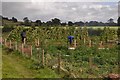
[
  {"x": 59, "y": 60},
  {"x": 16, "y": 45},
  {"x": 43, "y": 57},
  {"x": 31, "y": 50},
  {"x": 10, "y": 45},
  {"x": 90, "y": 45},
  {"x": 75, "y": 43},
  {"x": 22, "y": 48},
  {"x": 38, "y": 42}
]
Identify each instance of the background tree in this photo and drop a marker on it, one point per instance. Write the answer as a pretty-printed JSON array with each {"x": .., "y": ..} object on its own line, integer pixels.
[
  {"x": 14, "y": 19},
  {"x": 111, "y": 22},
  {"x": 49, "y": 23},
  {"x": 80, "y": 23},
  {"x": 70, "y": 23},
  {"x": 63, "y": 24},
  {"x": 56, "y": 21},
  {"x": 26, "y": 21},
  {"x": 38, "y": 22},
  {"x": 93, "y": 23}
]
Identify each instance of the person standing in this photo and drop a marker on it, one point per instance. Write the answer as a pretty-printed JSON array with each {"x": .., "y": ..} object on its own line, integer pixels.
[
  {"x": 23, "y": 36},
  {"x": 70, "y": 39}
]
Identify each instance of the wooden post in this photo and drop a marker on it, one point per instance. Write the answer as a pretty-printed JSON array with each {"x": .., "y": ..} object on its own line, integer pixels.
[
  {"x": 59, "y": 60},
  {"x": 31, "y": 51},
  {"x": 24, "y": 41},
  {"x": 90, "y": 43},
  {"x": 43, "y": 57},
  {"x": 22, "y": 48},
  {"x": 75, "y": 43},
  {"x": 38, "y": 43},
  {"x": 16, "y": 45},
  {"x": 10, "y": 45}
]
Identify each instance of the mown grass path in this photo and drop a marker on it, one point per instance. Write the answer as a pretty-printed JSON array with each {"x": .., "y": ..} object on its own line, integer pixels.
[{"x": 15, "y": 66}]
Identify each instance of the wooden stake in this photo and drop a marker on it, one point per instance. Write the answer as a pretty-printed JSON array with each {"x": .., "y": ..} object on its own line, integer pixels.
[
  {"x": 22, "y": 48},
  {"x": 15, "y": 45},
  {"x": 38, "y": 42},
  {"x": 10, "y": 45},
  {"x": 75, "y": 43},
  {"x": 31, "y": 51},
  {"x": 43, "y": 57},
  {"x": 90, "y": 43},
  {"x": 101, "y": 43}
]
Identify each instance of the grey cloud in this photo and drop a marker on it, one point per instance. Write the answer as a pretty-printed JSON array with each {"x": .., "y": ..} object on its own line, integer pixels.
[{"x": 74, "y": 11}]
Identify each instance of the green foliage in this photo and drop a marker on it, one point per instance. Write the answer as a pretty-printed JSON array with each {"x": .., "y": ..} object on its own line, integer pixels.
[{"x": 54, "y": 41}]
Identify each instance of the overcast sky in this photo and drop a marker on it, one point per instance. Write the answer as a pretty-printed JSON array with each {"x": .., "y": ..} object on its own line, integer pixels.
[{"x": 65, "y": 11}]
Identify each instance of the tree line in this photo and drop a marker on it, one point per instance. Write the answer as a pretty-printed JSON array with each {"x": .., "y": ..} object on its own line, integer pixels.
[{"x": 57, "y": 22}]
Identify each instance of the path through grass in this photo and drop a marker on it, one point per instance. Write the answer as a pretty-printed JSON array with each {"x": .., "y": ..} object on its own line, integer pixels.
[{"x": 16, "y": 66}]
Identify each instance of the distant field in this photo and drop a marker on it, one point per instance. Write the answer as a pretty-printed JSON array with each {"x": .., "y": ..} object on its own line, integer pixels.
[{"x": 102, "y": 27}]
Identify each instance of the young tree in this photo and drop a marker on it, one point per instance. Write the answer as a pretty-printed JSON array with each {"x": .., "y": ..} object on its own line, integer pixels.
[{"x": 111, "y": 22}]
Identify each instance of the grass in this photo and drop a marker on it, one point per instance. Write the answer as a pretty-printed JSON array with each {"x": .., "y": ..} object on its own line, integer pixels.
[{"x": 16, "y": 66}]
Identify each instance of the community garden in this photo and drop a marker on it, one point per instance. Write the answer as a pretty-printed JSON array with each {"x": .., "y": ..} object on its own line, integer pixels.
[{"x": 93, "y": 52}]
